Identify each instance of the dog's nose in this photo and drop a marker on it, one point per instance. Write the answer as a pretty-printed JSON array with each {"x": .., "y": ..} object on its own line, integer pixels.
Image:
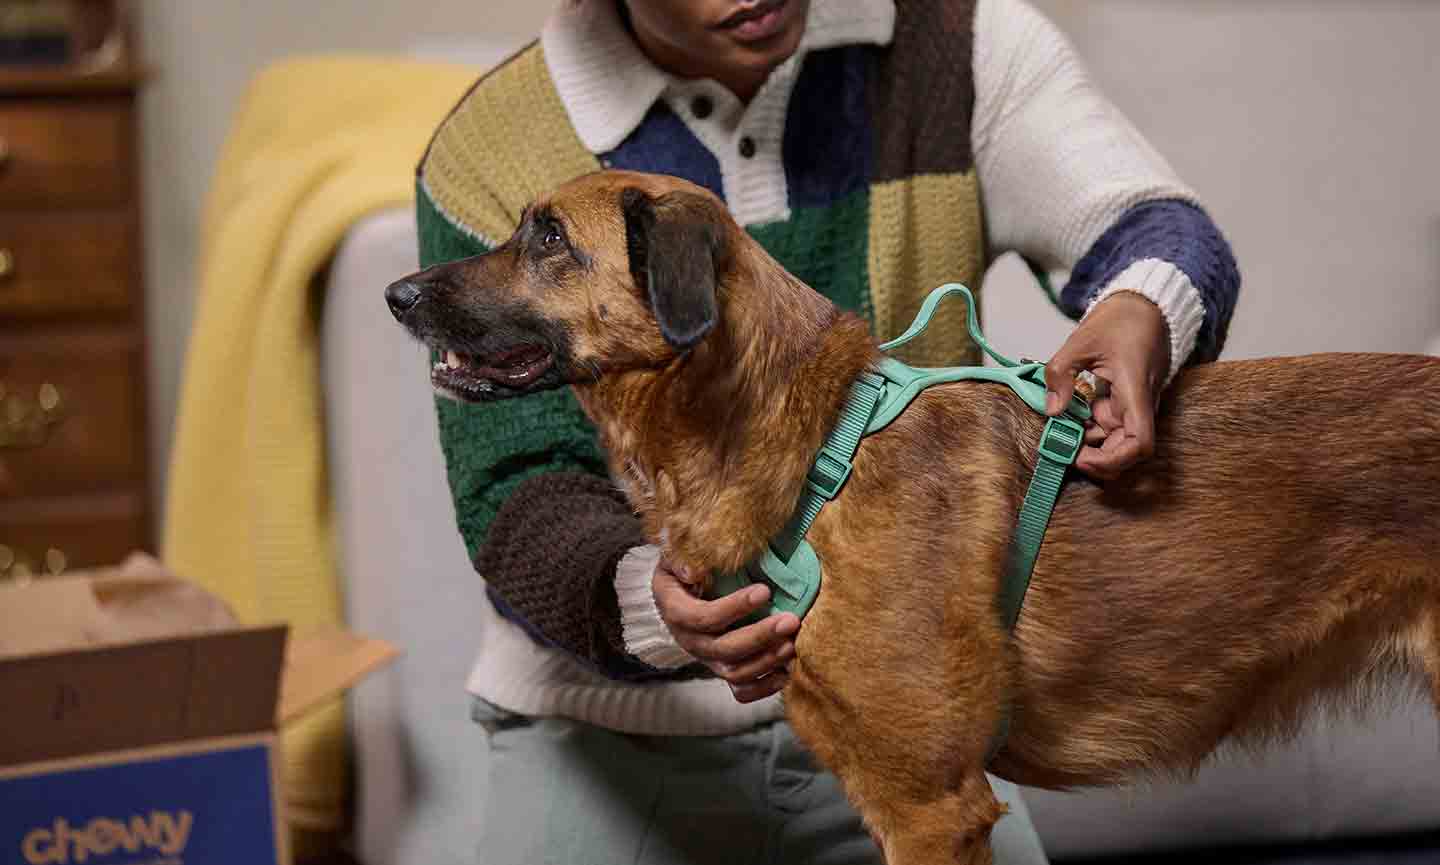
[{"x": 402, "y": 297}]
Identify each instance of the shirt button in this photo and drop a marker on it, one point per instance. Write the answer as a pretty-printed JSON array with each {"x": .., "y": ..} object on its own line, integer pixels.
[
  {"x": 702, "y": 106},
  {"x": 747, "y": 147}
]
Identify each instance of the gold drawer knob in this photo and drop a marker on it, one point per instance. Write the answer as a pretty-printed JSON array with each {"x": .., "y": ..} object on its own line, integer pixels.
[
  {"x": 7, "y": 263},
  {"x": 20, "y": 570},
  {"x": 49, "y": 398},
  {"x": 15, "y": 412},
  {"x": 13, "y": 567},
  {"x": 30, "y": 423},
  {"x": 21, "y": 573}
]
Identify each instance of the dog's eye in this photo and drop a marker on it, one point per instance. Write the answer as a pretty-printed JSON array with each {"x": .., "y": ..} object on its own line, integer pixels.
[{"x": 551, "y": 238}]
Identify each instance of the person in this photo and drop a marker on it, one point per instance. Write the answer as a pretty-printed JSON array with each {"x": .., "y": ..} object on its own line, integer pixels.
[{"x": 876, "y": 148}]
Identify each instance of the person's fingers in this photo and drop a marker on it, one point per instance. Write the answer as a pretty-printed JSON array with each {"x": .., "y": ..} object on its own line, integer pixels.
[
  {"x": 1137, "y": 412},
  {"x": 1102, "y": 425},
  {"x": 682, "y": 610},
  {"x": 1133, "y": 440},
  {"x": 760, "y": 689},
  {"x": 760, "y": 665},
  {"x": 1106, "y": 414},
  {"x": 742, "y": 643},
  {"x": 1060, "y": 375},
  {"x": 1110, "y": 460}
]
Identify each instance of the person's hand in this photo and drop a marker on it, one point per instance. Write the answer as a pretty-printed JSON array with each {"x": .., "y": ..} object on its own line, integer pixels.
[
  {"x": 753, "y": 659},
  {"x": 1124, "y": 341}
]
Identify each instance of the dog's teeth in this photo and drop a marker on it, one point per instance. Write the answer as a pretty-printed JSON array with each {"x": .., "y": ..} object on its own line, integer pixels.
[{"x": 452, "y": 360}]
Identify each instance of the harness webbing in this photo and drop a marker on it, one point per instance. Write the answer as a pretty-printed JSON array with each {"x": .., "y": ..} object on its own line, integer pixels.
[
  {"x": 879, "y": 395},
  {"x": 834, "y": 462}
]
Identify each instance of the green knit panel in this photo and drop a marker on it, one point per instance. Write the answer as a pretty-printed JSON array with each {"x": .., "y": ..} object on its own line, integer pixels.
[
  {"x": 491, "y": 448},
  {"x": 827, "y": 248},
  {"x": 440, "y": 240}
]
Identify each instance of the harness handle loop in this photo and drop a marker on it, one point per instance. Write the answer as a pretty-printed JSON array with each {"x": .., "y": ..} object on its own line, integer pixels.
[{"x": 927, "y": 311}]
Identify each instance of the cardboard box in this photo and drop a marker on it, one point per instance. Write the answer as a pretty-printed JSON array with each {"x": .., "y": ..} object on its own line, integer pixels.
[{"x": 140, "y": 721}]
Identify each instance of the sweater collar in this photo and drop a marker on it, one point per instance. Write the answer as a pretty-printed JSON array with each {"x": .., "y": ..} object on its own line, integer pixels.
[{"x": 608, "y": 85}]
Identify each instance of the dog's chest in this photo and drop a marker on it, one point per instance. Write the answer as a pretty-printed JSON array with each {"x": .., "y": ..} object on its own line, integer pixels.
[{"x": 637, "y": 484}]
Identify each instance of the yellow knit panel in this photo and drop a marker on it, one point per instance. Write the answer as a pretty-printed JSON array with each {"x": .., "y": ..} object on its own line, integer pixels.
[
  {"x": 507, "y": 142},
  {"x": 926, "y": 231}
]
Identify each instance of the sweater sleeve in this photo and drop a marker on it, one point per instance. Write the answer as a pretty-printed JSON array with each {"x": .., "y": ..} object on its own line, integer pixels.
[
  {"x": 1070, "y": 184},
  {"x": 551, "y": 556}
]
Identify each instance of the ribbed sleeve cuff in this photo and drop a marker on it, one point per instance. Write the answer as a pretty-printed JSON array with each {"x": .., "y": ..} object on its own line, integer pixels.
[
  {"x": 646, "y": 636},
  {"x": 1166, "y": 286}
]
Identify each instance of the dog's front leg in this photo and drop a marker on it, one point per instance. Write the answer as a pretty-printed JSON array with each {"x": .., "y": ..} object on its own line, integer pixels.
[{"x": 952, "y": 830}]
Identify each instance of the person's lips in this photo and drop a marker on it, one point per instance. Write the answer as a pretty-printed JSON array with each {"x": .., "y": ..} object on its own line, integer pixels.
[{"x": 756, "y": 21}]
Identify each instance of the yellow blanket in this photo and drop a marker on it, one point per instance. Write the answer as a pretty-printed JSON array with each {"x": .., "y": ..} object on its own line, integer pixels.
[{"x": 317, "y": 143}]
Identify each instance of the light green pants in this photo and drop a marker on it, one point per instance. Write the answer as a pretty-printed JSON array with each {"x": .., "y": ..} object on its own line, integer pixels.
[{"x": 567, "y": 793}]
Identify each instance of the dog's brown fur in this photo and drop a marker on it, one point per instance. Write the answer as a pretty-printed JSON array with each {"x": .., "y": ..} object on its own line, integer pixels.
[{"x": 1282, "y": 545}]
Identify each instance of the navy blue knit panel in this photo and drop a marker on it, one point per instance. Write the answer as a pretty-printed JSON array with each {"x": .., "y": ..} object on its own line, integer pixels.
[
  {"x": 1173, "y": 231},
  {"x": 828, "y": 139},
  {"x": 663, "y": 144}
]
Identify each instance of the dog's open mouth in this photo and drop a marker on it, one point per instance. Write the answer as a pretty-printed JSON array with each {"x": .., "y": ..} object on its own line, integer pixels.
[{"x": 474, "y": 378}]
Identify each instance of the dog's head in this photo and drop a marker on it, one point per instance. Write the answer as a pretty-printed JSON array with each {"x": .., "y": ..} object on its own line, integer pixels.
[{"x": 613, "y": 271}]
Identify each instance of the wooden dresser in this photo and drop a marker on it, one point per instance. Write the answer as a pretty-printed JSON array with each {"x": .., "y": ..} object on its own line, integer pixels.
[{"x": 73, "y": 465}]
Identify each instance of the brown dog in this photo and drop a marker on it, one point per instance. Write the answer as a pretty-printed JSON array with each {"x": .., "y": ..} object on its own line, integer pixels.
[{"x": 1282, "y": 545}]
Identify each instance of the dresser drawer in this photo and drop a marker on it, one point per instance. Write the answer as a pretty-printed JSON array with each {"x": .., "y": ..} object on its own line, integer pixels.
[
  {"x": 88, "y": 531},
  {"x": 78, "y": 393},
  {"x": 65, "y": 153},
  {"x": 66, "y": 263}
]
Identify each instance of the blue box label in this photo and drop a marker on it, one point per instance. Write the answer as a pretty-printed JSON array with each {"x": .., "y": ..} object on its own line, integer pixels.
[{"x": 211, "y": 808}]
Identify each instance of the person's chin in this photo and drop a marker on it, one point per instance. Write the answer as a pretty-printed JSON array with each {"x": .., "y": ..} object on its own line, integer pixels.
[
  {"x": 767, "y": 54},
  {"x": 773, "y": 47}
]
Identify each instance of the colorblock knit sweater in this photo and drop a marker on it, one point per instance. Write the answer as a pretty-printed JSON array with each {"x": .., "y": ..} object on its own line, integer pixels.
[{"x": 903, "y": 146}]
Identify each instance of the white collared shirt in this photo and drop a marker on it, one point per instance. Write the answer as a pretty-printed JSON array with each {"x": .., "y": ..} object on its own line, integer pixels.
[{"x": 608, "y": 86}]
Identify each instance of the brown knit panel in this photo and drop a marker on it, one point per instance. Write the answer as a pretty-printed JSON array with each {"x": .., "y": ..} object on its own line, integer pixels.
[
  {"x": 551, "y": 554},
  {"x": 922, "y": 91}
]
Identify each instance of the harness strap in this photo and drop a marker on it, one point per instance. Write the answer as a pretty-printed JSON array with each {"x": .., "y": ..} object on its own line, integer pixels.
[
  {"x": 833, "y": 464},
  {"x": 789, "y": 564},
  {"x": 1059, "y": 446}
]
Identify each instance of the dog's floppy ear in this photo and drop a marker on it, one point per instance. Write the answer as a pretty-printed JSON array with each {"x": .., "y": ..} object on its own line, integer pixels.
[{"x": 676, "y": 247}]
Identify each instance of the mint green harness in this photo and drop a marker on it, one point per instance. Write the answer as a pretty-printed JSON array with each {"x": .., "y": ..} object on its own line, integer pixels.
[{"x": 789, "y": 564}]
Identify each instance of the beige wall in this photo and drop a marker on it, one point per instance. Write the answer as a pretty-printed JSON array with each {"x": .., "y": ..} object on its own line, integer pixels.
[
  {"x": 1308, "y": 126},
  {"x": 204, "y": 52}
]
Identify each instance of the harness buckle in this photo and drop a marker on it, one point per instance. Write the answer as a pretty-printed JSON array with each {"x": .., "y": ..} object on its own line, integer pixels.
[
  {"x": 1061, "y": 440},
  {"x": 828, "y": 474}
]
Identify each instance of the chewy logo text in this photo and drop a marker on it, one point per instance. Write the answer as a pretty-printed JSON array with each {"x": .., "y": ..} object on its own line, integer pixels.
[{"x": 62, "y": 844}]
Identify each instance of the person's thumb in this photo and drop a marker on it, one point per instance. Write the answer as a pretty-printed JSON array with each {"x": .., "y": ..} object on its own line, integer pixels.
[{"x": 1060, "y": 375}]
